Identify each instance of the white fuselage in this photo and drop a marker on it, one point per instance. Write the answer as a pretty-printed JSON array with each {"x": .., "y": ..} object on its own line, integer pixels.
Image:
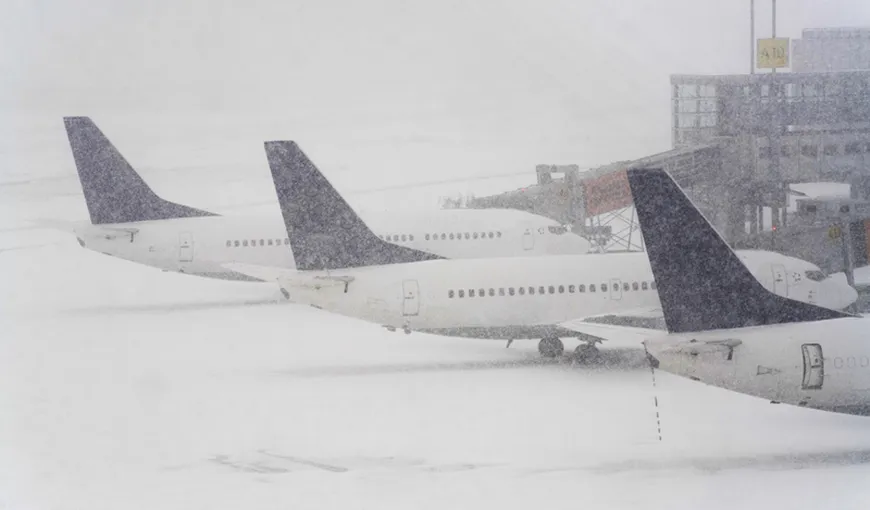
[
  {"x": 201, "y": 246},
  {"x": 822, "y": 365},
  {"x": 522, "y": 297}
]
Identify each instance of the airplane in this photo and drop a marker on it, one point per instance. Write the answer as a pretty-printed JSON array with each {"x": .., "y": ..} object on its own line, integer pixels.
[
  {"x": 726, "y": 330},
  {"x": 130, "y": 221},
  {"x": 343, "y": 267}
]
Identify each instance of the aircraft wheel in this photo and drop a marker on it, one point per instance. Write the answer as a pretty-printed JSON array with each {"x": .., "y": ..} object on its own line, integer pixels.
[
  {"x": 551, "y": 347},
  {"x": 586, "y": 353}
]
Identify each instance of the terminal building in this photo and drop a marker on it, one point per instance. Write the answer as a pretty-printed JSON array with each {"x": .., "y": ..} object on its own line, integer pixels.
[{"x": 738, "y": 142}]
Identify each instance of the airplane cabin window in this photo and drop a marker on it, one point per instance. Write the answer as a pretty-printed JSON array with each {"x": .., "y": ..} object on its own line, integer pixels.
[
  {"x": 491, "y": 292},
  {"x": 427, "y": 237},
  {"x": 522, "y": 290},
  {"x": 625, "y": 286},
  {"x": 511, "y": 291},
  {"x": 262, "y": 242},
  {"x": 652, "y": 285},
  {"x": 410, "y": 237},
  {"x": 404, "y": 237},
  {"x": 531, "y": 291},
  {"x": 470, "y": 292},
  {"x": 245, "y": 242},
  {"x": 451, "y": 236},
  {"x": 570, "y": 289},
  {"x": 498, "y": 234},
  {"x": 491, "y": 235},
  {"x": 236, "y": 244},
  {"x": 561, "y": 289},
  {"x": 591, "y": 288},
  {"x": 286, "y": 240},
  {"x": 450, "y": 293},
  {"x": 229, "y": 243},
  {"x": 254, "y": 242},
  {"x": 270, "y": 242},
  {"x": 582, "y": 288},
  {"x": 475, "y": 235},
  {"x": 541, "y": 289},
  {"x": 643, "y": 285},
  {"x": 467, "y": 235},
  {"x": 501, "y": 291},
  {"x": 461, "y": 293},
  {"x": 634, "y": 286},
  {"x": 481, "y": 292},
  {"x": 603, "y": 287},
  {"x": 552, "y": 289},
  {"x": 444, "y": 236}
]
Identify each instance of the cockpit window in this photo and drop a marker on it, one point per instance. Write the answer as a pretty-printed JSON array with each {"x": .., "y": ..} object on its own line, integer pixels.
[{"x": 815, "y": 276}]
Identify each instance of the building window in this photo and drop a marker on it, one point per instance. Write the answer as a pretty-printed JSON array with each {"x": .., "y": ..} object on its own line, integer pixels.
[
  {"x": 854, "y": 148},
  {"x": 450, "y": 293},
  {"x": 809, "y": 151}
]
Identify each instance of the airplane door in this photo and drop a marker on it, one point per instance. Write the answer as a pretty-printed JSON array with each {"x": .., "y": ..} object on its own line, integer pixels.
[
  {"x": 780, "y": 281},
  {"x": 185, "y": 247},
  {"x": 615, "y": 288},
  {"x": 410, "y": 298},
  {"x": 814, "y": 367},
  {"x": 528, "y": 239}
]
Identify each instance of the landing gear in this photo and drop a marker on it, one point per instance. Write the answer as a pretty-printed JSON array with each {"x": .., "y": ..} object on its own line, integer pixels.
[
  {"x": 551, "y": 347},
  {"x": 586, "y": 353}
]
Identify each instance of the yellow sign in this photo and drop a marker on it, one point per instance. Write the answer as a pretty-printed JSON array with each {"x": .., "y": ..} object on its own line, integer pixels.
[
  {"x": 772, "y": 53},
  {"x": 834, "y": 232}
]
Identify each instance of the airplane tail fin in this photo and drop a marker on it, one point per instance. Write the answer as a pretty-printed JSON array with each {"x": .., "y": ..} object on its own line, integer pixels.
[
  {"x": 325, "y": 233},
  {"x": 702, "y": 284},
  {"x": 114, "y": 192}
]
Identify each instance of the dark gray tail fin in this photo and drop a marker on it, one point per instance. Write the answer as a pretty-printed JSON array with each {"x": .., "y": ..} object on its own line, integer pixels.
[
  {"x": 701, "y": 282},
  {"x": 325, "y": 233},
  {"x": 113, "y": 190}
]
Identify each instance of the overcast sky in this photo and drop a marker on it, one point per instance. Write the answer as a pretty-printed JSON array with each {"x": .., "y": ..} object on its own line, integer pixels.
[{"x": 576, "y": 81}]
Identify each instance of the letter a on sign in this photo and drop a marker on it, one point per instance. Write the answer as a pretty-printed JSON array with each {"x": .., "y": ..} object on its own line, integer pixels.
[{"x": 772, "y": 53}]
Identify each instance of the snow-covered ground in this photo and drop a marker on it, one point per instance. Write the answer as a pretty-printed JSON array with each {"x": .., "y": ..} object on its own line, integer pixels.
[{"x": 125, "y": 387}]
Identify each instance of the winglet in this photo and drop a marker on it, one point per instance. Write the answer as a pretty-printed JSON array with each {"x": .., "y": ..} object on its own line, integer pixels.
[
  {"x": 701, "y": 282},
  {"x": 325, "y": 233},
  {"x": 114, "y": 192}
]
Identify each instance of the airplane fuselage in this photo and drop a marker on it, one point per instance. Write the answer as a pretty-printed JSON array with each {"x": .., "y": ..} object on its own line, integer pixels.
[
  {"x": 822, "y": 365},
  {"x": 521, "y": 297}
]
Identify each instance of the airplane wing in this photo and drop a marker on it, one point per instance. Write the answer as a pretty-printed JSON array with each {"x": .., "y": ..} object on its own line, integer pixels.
[
  {"x": 619, "y": 334},
  {"x": 69, "y": 227}
]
